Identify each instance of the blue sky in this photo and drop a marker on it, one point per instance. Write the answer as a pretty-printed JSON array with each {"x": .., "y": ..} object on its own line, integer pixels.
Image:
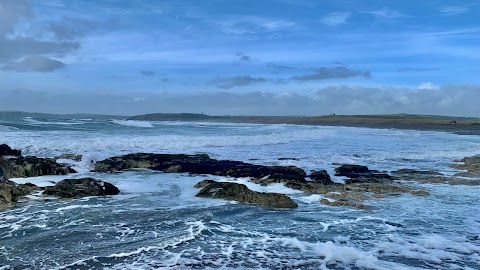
[{"x": 147, "y": 56}]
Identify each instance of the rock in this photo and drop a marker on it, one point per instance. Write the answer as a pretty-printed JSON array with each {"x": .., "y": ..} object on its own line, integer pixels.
[
  {"x": 470, "y": 164},
  {"x": 361, "y": 174},
  {"x": 197, "y": 164},
  {"x": 204, "y": 183},
  {"x": 10, "y": 192},
  {"x": 69, "y": 156},
  {"x": 420, "y": 192},
  {"x": 321, "y": 176},
  {"x": 413, "y": 172},
  {"x": 83, "y": 187},
  {"x": 378, "y": 188},
  {"x": 240, "y": 193},
  {"x": 344, "y": 203},
  {"x": 6, "y": 150},
  {"x": 347, "y": 169},
  {"x": 30, "y": 166}
]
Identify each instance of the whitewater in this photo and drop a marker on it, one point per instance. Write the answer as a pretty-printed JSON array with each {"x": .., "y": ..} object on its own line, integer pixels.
[{"x": 157, "y": 222}]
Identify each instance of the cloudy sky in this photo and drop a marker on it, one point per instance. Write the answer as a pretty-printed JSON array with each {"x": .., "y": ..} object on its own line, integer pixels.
[{"x": 269, "y": 57}]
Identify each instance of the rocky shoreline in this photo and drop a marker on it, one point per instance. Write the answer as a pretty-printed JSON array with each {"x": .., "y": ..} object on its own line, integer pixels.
[{"x": 361, "y": 183}]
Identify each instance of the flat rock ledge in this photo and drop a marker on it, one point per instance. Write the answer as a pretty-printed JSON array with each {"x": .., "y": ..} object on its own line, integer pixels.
[
  {"x": 83, "y": 187},
  {"x": 197, "y": 164},
  {"x": 241, "y": 193}
]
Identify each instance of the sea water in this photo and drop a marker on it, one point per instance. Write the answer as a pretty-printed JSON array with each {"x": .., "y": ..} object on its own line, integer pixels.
[{"x": 156, "y": 222}]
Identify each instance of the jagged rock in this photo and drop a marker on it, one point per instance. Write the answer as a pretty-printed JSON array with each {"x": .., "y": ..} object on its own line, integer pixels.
[
  {"x": 6, "y": 150},
  {"x": 10, "y": 192},
  {"x": 347, "y": 169},
  {"x": 69, "y": 156},
  {"x": 30, "y": 166},
  {"x": 197, "y": 164},
  {"x": 344, "y": 203},
  {"x": 240, "y": 193},
  {"x": 83, "y": 187},
  {"x": 321, "y": 176}
]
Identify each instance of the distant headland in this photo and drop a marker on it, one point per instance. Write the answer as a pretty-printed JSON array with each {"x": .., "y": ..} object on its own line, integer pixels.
[{"x": 458, "y": 125}]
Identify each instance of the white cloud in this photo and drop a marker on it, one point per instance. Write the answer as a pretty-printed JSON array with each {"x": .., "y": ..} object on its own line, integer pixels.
[
  {"x": 428, "y": 86},
  {"x": 386, "y": 13},
  {"x": 336, "y": 18},
  {"x": 454, "y": 10}
]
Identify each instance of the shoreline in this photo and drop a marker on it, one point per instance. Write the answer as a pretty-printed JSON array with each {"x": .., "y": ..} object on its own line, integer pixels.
[{"x": 456, "y": 125}]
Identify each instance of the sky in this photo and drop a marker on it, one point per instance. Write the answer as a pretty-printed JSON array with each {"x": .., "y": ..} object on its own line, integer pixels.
[{"x": 240, "y": 57}]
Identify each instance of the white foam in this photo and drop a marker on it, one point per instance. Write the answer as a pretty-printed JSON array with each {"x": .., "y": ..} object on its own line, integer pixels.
[{"x": 133, "y": 123}]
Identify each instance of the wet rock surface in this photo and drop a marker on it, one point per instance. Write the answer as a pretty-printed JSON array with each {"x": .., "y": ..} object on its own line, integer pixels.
[
  {"x": 31, "y": 166},
  {"x": 470, "y": 164},
  {"x": 6, "y": 150},
  {"x": 241, "y": 193},
  {"x": 83, "y": 187},
  {"x": 11, "y": 192},
  {"x": 197, "y": 164}
]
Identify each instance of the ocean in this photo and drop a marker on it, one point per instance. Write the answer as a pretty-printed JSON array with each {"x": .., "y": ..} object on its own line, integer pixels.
[{"x": 156, "y": 222}]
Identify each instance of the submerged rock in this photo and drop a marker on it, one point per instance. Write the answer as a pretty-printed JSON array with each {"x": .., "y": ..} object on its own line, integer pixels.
[
  {"x": 69, "y": 156},
  {"x": 10, "y": 192},
  {"x": 344, "y": 203},
  {"x": 241, "y": 193},
  {"x": 83, "y": 187},
  {"x": 197, "y": 164},
  {"x": 6, "y": 150},
  {"x": 30, "y": 166}
]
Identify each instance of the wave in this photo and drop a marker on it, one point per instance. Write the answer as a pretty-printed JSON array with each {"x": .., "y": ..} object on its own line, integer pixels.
[
  {"x": 133, "y": 123},
  {"x": 32, "y": 121}
]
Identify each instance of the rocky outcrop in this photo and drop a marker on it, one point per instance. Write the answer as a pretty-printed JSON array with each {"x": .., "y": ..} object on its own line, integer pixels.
[
  {"x": 361, "y": 174},
  {"x": 83, "y": 187},
  {"x": 10, "y": 192},
  {"x": 321, "y": 176},
  {"x": 241, "y": 193},
  {"x": 6, "y": 150},
  {"x": 197, "y": 164},
  {"x": 470, "y": 164},
  {"x": 433, "y": 177},
  {"x": 30, "y": 166},
  {"x": 313, "y": 187}
]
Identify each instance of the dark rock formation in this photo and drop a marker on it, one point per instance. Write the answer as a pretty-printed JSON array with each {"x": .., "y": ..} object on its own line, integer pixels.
[
  {"x": 31, "y": 166},
  {"x": 77, "y": 188},
  {"x": 197, "y": 164},
  {"x": 321, "y": 176},
  {"x": 240, "y": 193},
  {"x": 10, "y": 192},
  {"x": 5, "y": 150},
  {"x": 361, "y": 174}
]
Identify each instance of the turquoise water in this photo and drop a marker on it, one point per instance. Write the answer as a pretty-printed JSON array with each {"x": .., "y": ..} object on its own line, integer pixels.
[{"x": 158, "y": 223}]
